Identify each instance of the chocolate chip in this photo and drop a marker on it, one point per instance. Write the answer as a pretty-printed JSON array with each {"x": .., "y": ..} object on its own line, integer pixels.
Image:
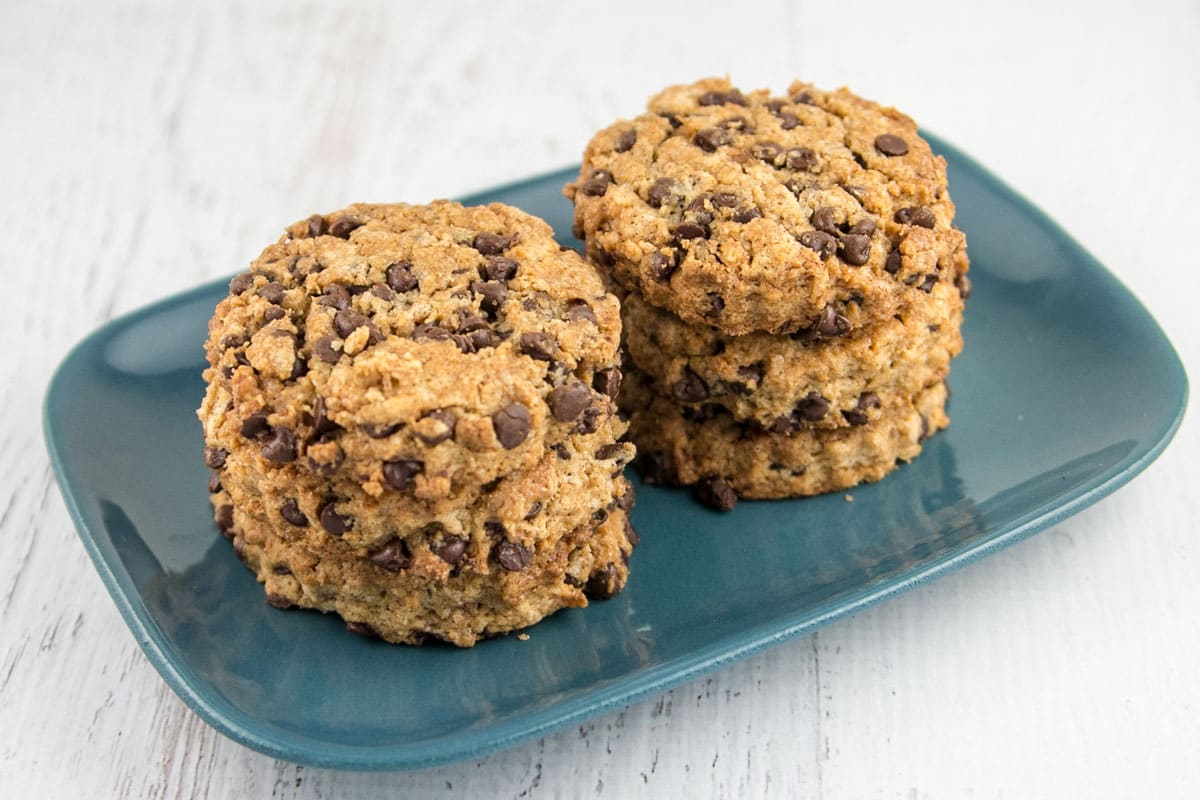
[
  {"x": 864, "y": 227},
  {"x": 335, "y": 296},
  {"x": 744, "y": 215},
  {"x": 604, "y": 584},
  {"x": 737, "y": 124},
  {"x": 534, "y": 510},
  {"x": 607, "y": 451},
  {"x": 379, "y": 431},
  {"x": 801, "y": 158},
  {"x": 630, "y": 534},
  {"x": 660, "y": 266},
  {"x": 500, "y": 269},
  {"x": 579, "y": 309},
  {"x": 832, "y": 323},
  {"x": 279, "y": 601},
  {"x": 823, "y": 220},
  {"x": 291, "y": 513},
  {"x": 400, "y": 277},
  {"x": 383, "y": 291},
  {"x": 689, "y": 230},
  {"x": 724, "y": 199},
  {"x": 281, "y": 569},
  {"x": 662, "y": 191},
  {"x": 474, "y": 341},
  {"x": 346, "y": 322},
  {"x": 590, "y": 420},
  {"x": 855, "y": 249},
  {"x": 511, "y": 425},
  {"x": 893, "y": 263},
  {"x": 607, "y": 381},
  {"x": 710, "y": 139},
  {"x": 392, "y": 556},
  {"x": 214, "y": 482},
  {"x": 866, "y": 402},
  {"x": 273, "y": 313},
  {"x": 766, "y": 151},
  {"x": 400, "y": 473},
  {"x": 513, "y": 556},
  {"x": 495, "y": 529},
  {"x": 803, "y": 97},
  {"x": 536, "y": 345},
  {"x": 795, "y": 186},
  {"x": 363, "y": 629},
  {"x": 568, "y": 402},
  {"x": 698, "y": 209},
  {"x": 928, "y": 284},
  {"x": 714, "y": 492},
  {"x": 752, "y": 372},
  {"x": 214, "y": 457},
  {"x": 712, "y": 99},
  {"x": 316, "y": 226},
  {"x": 323, "y": 349},
  {"x": 224, "y": 518},
  {"x": 280, "y": 447},
  {"x": 671, "y": 119},
  {"x": 493, "y": 294},
  {"x": 241, "y": 283},
  {"x": 255, "y": 425},
  {"x": 963, "y": 284},
  {"x": 925, "y": 429},
  {"x": 561, "y": 450},
  {"x": 823, "y": 243},
  {"x": 271, "y": 292},
  {"x": 625, "y": 141},
  {"x": 813, "y": 407},
  {"x": 716, "y": 304},
  {"x": 448, "y": 422},
  {"x": 787, "y": 120},
  {"x": 342, "y": 227},
  {"x": 916, "y": 215},
  {"x": 449, "y": 549},
  {"x": 492, "y": 244},
  {"x": 890, "y": 144},
  {"x": 690, "y": 388},
  {"x": 597, "y": 184},
  {"x": 423, "y": 332},
  {"x": 334, "y": 523}
]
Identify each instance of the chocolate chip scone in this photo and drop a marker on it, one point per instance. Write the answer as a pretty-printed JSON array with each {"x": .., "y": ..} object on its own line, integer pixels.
[
  {"x": 391, "y": 369},
  {"x": 813, "y": 212},
  {"x": 726, "y": 459},
  {"x": 785, "y": 383}
]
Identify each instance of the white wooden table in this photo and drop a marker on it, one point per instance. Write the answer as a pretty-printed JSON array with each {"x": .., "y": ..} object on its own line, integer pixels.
[{"x": 146, "y": 147}]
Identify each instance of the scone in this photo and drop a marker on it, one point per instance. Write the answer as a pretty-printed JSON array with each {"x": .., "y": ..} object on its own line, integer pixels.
[{"x": 421, "y": 397}]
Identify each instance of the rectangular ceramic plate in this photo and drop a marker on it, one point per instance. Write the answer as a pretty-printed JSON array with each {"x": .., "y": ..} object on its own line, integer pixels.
[{"x": 1066, "y": 390}]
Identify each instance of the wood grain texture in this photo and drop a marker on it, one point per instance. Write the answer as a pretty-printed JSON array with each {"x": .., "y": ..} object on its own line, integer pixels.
[{"x": 145, "y": 147}]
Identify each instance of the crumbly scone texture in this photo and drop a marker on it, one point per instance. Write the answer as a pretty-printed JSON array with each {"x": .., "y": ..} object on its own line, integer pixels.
[
  {"x": 760, "y": 464},
  {"x": 813, "y": 211},
  {"x": 391, "y": 372},
  {"x": 786, "y": 383}
]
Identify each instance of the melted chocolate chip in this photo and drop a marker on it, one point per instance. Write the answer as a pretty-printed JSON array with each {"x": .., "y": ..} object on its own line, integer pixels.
[
  {"x": 607, "y": 381},
  {"x": 813, "y": 407},
  {"x": 449, "y": 549},
  {"x": 255, "y": 425},
  {"x": 291, "y": 513},
  {"x": 714, "y": 492},
  {"x": 511, "y": 425},
  {"x": 604, "y": 584},
  {"x": 916, "y": 215},
  {"x": 864, "y": 227},
  {"x": 492, "y": 244},
  {"x": 568, "y": 402},
  {"x": 823, "y": 243},
  {"x": 890, "y": 144},
  {"x": 400, "y": 277},
  {"x": 401, "y": 473},
  {"x": 492, "y": 295},
  {"x": 335, "y": 524},
  {"x": 823, "y": 220},
  {"x": 214, "y": 457},
  {"x": 513, "y": 556},
  {"x": 392, "y": 556},
  {"x": 855, "y": 249},
  {"x": 448, "y": 421},
  {"x": 280, "y": 446},
  {"x": 690, "y": 388}
]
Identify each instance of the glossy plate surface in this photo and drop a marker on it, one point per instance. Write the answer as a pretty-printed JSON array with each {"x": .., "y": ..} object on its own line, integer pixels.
[{"x": 1066, "y": 390}]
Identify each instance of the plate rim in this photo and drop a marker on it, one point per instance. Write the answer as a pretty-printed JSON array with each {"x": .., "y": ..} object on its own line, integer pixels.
[{"x": 508, "y": 732}]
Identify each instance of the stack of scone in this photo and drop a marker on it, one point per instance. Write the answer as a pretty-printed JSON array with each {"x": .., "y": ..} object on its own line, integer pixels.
[
  {"x": 792, "y": 286},
  {"x": 410, "y": 421}
]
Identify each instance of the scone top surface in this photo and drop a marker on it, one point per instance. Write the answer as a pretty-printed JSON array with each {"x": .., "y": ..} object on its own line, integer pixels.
[
  {"x": 410, "y": 348},
  {"x": 811, "y": 212}
]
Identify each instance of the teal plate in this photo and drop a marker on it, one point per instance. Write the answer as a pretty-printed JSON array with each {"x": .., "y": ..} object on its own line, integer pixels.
[{"x": 1066, "y": 390}]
